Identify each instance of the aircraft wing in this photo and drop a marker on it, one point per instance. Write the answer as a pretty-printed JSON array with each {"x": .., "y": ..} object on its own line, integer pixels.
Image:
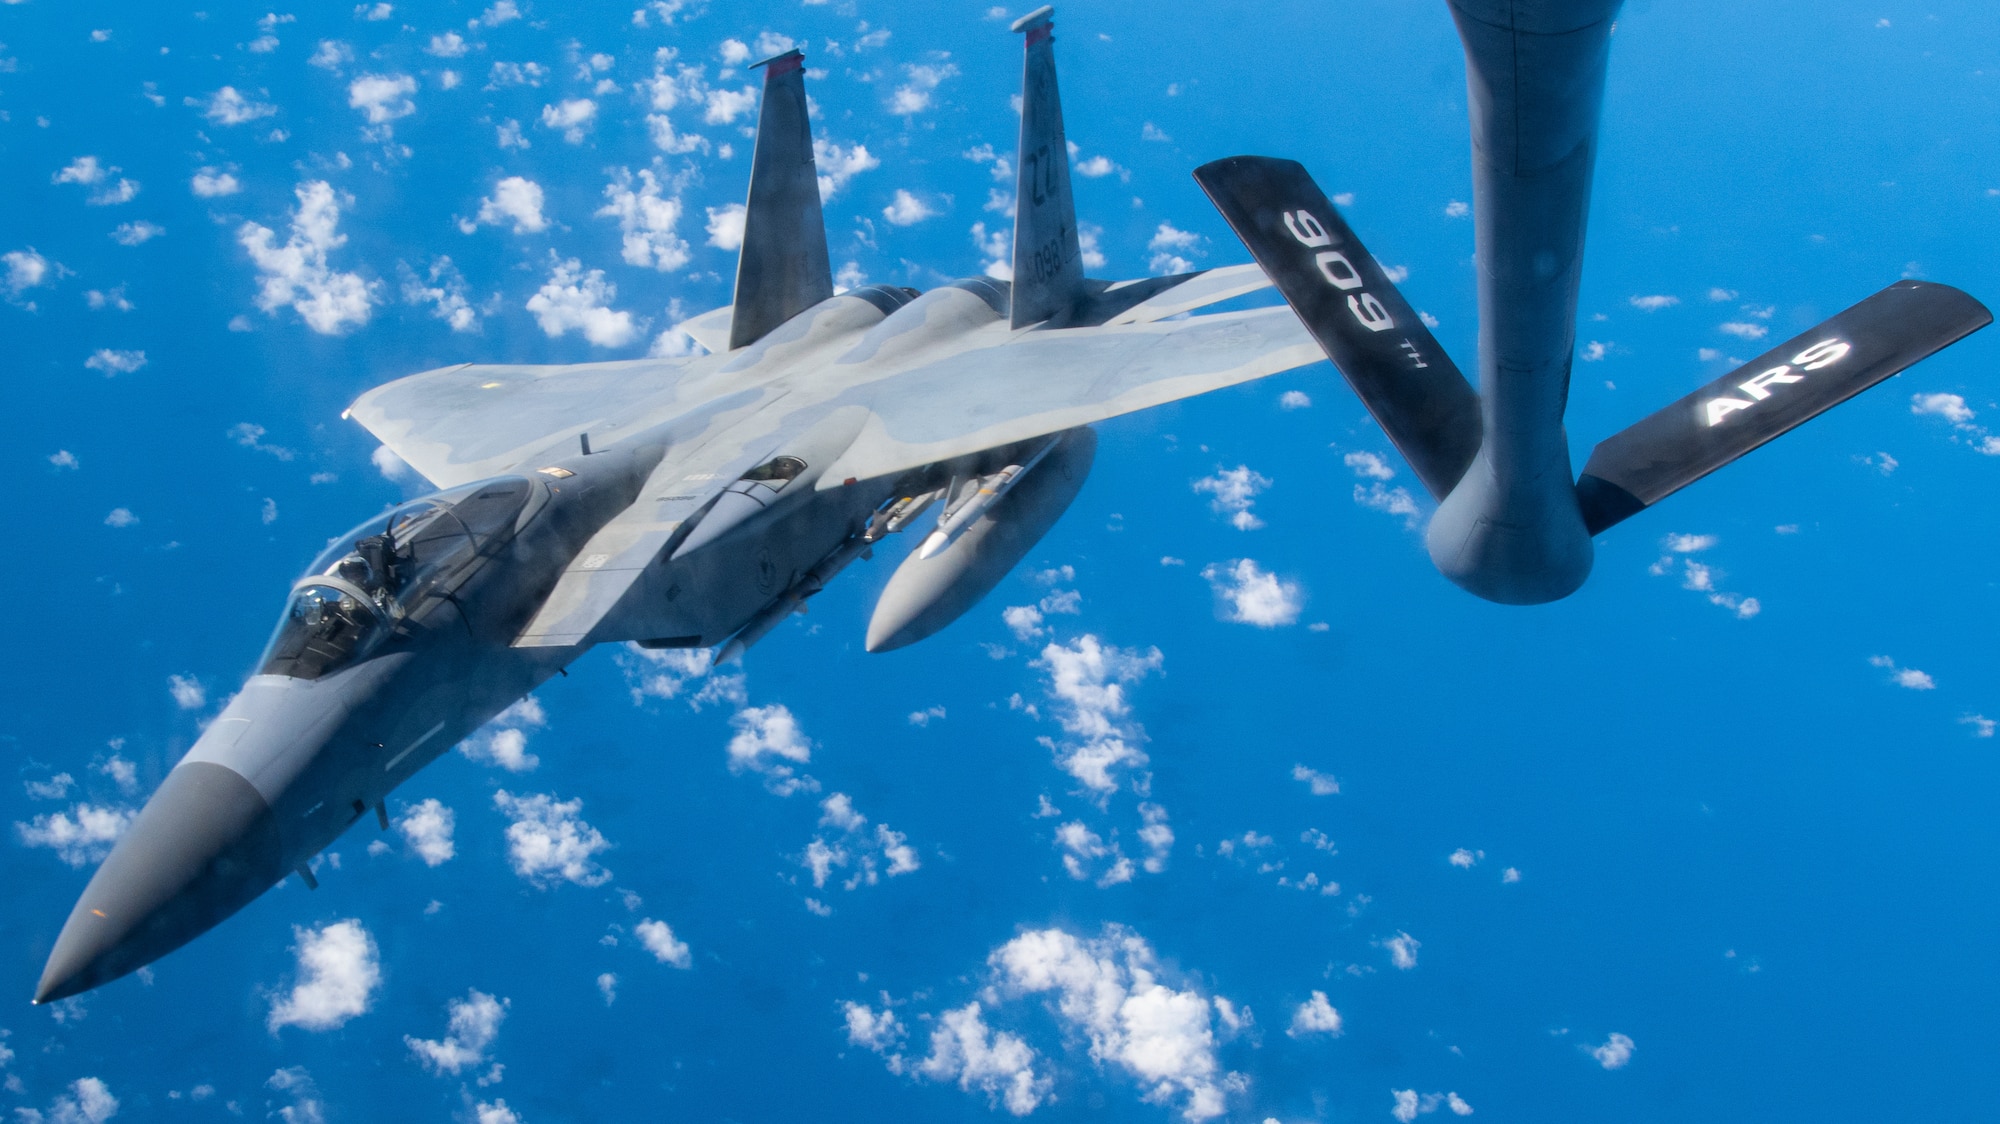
[
  {"x": 1047, "y": 381},
  {"x": 468, "y": 422}
]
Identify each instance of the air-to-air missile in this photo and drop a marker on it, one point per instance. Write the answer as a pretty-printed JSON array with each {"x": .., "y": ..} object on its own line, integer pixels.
[{"x": 701, "y": 501}]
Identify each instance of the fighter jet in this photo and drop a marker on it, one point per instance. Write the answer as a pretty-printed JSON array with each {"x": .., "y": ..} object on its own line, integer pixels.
[{"x": 676, "y": 503}]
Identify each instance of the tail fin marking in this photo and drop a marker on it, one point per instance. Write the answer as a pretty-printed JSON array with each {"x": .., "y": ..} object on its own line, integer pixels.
[
  {"x": 1048, "y": 257},
  {"x": 1780, "y": 390},
  {"x": 1347, "y": 302}
]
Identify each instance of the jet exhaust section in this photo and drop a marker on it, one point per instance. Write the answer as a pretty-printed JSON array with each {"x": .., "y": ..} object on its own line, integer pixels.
[{"x": 933, "y": 588}]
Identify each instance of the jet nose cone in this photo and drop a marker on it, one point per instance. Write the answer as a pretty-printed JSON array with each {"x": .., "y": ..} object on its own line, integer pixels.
[{"x": 204, "y": 846}]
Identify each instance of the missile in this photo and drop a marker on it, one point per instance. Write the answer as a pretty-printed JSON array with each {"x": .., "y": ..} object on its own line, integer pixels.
[
  {"x": 953, "y": 523},
  {"x": 928, "y": 592}
]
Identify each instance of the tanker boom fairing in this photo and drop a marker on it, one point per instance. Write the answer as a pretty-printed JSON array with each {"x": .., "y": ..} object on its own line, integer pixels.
[
  {"x": 686, "y": 502},
  {"x": 1514, "y": 524}
]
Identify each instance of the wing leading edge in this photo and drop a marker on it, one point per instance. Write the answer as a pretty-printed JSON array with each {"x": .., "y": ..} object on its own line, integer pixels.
[{"x": 1037, "y": 383}]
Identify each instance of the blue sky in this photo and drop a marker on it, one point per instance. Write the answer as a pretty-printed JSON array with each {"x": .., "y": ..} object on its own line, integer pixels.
[{"x": 1225, "y": 805}]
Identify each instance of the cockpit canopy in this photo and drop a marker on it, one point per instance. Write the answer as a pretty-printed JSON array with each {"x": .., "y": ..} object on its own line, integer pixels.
[{"x": 388, "y": 570}]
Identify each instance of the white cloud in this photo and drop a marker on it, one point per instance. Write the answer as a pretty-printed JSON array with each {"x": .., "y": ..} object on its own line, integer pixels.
[
  {"x": 607, "y": 986},
  {"x": 577, "y": 300},
  {"x": 1719, "y": 294},
  {"x": 55, "y": 788},
  {"x": 450, "y": 45},
  {"x": 964, "y": 1049},
  {"x": 80, "y": 836},
  {"x": 914, "y": 96},
  {"x": 115, "y": 299},
  {"x": 391, "y": 466},
  {"x": 339, "y": 968},
  {"x": 516, "y": 74},
  {"x": 1688, "y": 544},
  {"x": 121, "y": 517},
  {"x": 869, "y": 855},
  {"x": 1457, "y": 209},
  {"x": 1369, "y": 466},
  {"x": 374, "y": 12},
  {"x": 1024, "y": 621},
  {"x": 443, "y": 288},
  {"x": 1251, "y": 595},
  {"x": 876, "y": 1031},
  {"x": 516, "y": 200},
  {"x": 494, "y": 1112},
  {"x": 725, "y": 226},
  {"x": 473, "y": 1024},
  {"x": 307, "y": 1107},
  {"x": 1395, "y": 501},
  {"x": 1654, "y": 303},
  {"x": 838, "y": 165},
  {"x": 548, "y": 841},
  {"x": 723, "y": 107},
  {"x": 26, "y": 269},
  {"x": 427, "y": 826},
  {"x": 331, "y": 55},
  {"x": 382, "y": 98},
  {"x": 926, "y": 716},
  {"x": 89, "y": 1101},
  {"x": 1314, "y": 1016},
  {"x": 1906, "y": 677},
  {"x": 1110, "y": 990},
  {"x": 115, "y": 362},
  {"x": 659, "y": 940},
  {"x": 85, "y": 171},
  {"x": 1982, "y": 726},
  {"x": 907, "y": 210},
  {"x": 134, "y": 233},
  {"x": 297, "y": 273},
  {"x": 211, "y": 183},
  {"x": 1234, "y": 491},
  {"x": 1465, "y": 859},
  {"x": 227, "y": 106},
  {"x": 1096, "y": 167},
  {"x": 1321, "y": 784},
  {"x": 647, "y": 219},
  {"x": 572, "y": 116},
  {"x": 1402, "y": 949},
  {"x": 1616, "y": 1051},
  {"x": 1088, "y": 680},
  {"x": 1594, "y": 351},
  {"x": 187, "y": 691},
  {"x": 664, "y": 673},
  {"x": 768, "y": 741},
  {"x": 997, "y": 248},
  {"x": 502, "y": 11},
  {"x": 1294, "y": 400},
  {"x": 1950, "y": 407},
  {"x": 1744, "y": 330}
]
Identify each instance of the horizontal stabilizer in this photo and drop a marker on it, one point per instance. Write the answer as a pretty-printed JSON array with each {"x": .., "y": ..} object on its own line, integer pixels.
[
  {"x": 1341, "y": 293},
  {"x": 710, "y": 329},
  {"x": 1780, "y": 390}
]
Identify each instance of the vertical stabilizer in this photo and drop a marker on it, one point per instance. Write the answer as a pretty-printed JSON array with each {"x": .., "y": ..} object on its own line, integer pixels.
[
  {"x": 1048, "y": 263},
  {"x": 782, "y": 269}
]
